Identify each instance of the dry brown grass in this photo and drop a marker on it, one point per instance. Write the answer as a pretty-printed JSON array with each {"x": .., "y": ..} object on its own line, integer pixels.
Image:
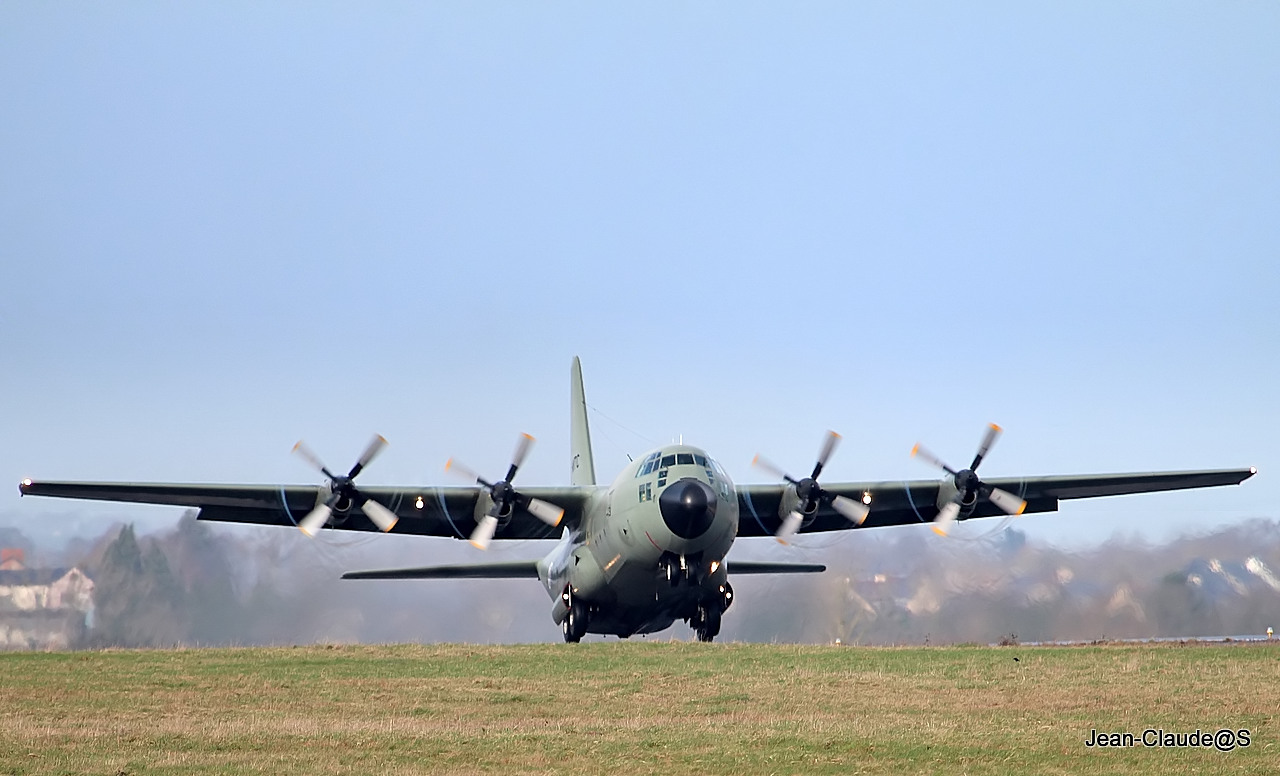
[{"x": 633, "y": 707}]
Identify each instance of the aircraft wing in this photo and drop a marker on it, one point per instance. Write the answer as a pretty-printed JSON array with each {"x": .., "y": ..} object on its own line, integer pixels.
[
  {"x": 512, "y": 570},
  {"x": 907, "y": 503},
  {"x": 443, "y": 511},
  {"x": 740, "y": 567}
]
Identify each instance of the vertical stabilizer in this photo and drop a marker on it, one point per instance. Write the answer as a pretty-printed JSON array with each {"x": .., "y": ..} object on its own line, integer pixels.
[{"x": 583, "y": 466}]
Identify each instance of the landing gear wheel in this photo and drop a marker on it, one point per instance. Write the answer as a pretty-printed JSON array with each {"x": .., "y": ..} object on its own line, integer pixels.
[
  {"x": 708, "y": 624},
  {"x": 575, "y": 623},
  {"x": 569, "y": 635}
]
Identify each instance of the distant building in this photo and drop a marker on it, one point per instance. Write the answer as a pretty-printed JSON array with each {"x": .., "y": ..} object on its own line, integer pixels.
[{"x": 42, "y": 608}]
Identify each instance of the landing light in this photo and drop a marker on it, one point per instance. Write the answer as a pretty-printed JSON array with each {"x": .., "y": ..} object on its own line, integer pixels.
[
  {"x": 26, "y": 483},
  {"x": 418, "y": 504},
  {"x": 866, "y": 497},
  {"x": 715, "y": 564}
]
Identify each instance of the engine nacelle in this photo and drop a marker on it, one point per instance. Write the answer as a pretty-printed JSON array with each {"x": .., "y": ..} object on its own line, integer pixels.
[
  {"x": 584, "y": 578},
  {"x": 791, "y": 502},
  {"x": 947, "y": 491}
]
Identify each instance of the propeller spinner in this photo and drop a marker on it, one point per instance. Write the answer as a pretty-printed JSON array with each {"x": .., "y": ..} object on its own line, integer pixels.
[
  {"x": 811, "y": 494},
  {"x": 968, "y": 486},
  {"x": 344, "y": 493},
  {"x": 506, "y": 498}
]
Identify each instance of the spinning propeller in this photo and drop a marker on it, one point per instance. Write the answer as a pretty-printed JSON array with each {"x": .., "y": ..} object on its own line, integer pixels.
[
  {"x": 811, "y": 494},
  {"x": 968, "y": 486},
  {"x": 506, "y": 498},
  {"x": 343, "y": 492}
]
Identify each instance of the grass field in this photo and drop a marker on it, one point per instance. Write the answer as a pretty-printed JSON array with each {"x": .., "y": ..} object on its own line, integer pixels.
[{"x": 633, "y": 707}]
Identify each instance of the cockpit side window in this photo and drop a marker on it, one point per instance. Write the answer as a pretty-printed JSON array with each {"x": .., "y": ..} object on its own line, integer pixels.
[
  {"x": 668, "y": 460},
  {"x": 648, "y": 465},
  {"x": 701, "y": 460}
]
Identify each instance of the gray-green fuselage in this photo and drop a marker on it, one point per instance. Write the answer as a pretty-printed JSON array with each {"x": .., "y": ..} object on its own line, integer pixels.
[{"x": 640, "y": 561}]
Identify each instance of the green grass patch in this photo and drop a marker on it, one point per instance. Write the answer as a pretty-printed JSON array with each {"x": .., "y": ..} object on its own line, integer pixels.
[{"x": 633, "y": 707}]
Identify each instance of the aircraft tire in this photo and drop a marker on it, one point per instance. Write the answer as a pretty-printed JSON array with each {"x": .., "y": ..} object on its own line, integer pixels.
[
  {"x": 575, "y": 623},
  {"x": 709, "y": 624},
  {"x": 570, "y": 636}
]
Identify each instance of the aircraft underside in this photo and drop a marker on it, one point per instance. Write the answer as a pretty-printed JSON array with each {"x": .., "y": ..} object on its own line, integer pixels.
[{"x": 649, "y": 601}]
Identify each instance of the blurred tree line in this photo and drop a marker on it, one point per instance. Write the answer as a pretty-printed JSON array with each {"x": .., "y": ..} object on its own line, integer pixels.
[{"x": 210, "y": 585}]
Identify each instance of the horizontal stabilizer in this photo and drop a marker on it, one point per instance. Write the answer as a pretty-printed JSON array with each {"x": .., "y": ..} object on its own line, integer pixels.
[
  {"x": 736, "y": 567},
  {"x": 522, "y": 569}
]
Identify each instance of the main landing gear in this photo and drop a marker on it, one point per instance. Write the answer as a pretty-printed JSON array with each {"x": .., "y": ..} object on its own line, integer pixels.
[
  {"x": 706, "y": 622},
  {"x": 706, "y": 619},
  {"x": 574, "y": 625}
]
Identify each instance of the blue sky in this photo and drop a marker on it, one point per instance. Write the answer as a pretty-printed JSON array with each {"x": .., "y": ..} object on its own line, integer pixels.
[{"x": 227, "y": 226}]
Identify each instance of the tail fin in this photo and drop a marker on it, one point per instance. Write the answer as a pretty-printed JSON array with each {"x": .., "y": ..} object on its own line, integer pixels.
[{"x": 583, "y": 466}]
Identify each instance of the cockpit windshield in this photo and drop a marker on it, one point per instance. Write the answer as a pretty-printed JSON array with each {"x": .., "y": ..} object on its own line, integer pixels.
[{"x": 664, "y": 460}]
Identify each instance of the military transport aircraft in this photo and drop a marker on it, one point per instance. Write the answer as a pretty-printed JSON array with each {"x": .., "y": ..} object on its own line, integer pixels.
[{"x": 647, "y": 549}]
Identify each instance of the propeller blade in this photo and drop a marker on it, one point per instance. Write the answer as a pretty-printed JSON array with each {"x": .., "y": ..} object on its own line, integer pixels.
[
  {"x": 854, "y": 511},
  {"x": 789, "y": 527},
  {"x": 453, "y": 467},
  {"x": 311, "y": 458},
  {"x": 993, "y": 433},
  {"x": 1007, "y": 502},
  {"x": 946, "y": 516},
  {"x": 315, "y": 520},
  {"x": 828, "y": 447},
  {"x": 919, "y": 452},
  {"x": 485, "y": 529},
  {"x": 544, "y": 511},
  {"x": 522, "y": 450},
  {"x": 375, "y": 446},
  {"x": 761, "y": 462},
  {"x": 382, "y": 517}
]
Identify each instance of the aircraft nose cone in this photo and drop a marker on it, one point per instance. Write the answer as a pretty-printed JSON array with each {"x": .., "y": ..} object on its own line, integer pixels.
[{"x": 688, "y": 508}]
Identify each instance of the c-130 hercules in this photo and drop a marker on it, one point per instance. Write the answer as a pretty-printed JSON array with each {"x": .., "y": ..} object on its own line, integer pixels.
[{"x": 646, "y": 550}]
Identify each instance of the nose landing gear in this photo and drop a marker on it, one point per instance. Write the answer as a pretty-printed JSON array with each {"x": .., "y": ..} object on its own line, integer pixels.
[{"x": 676, "y": 569}]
